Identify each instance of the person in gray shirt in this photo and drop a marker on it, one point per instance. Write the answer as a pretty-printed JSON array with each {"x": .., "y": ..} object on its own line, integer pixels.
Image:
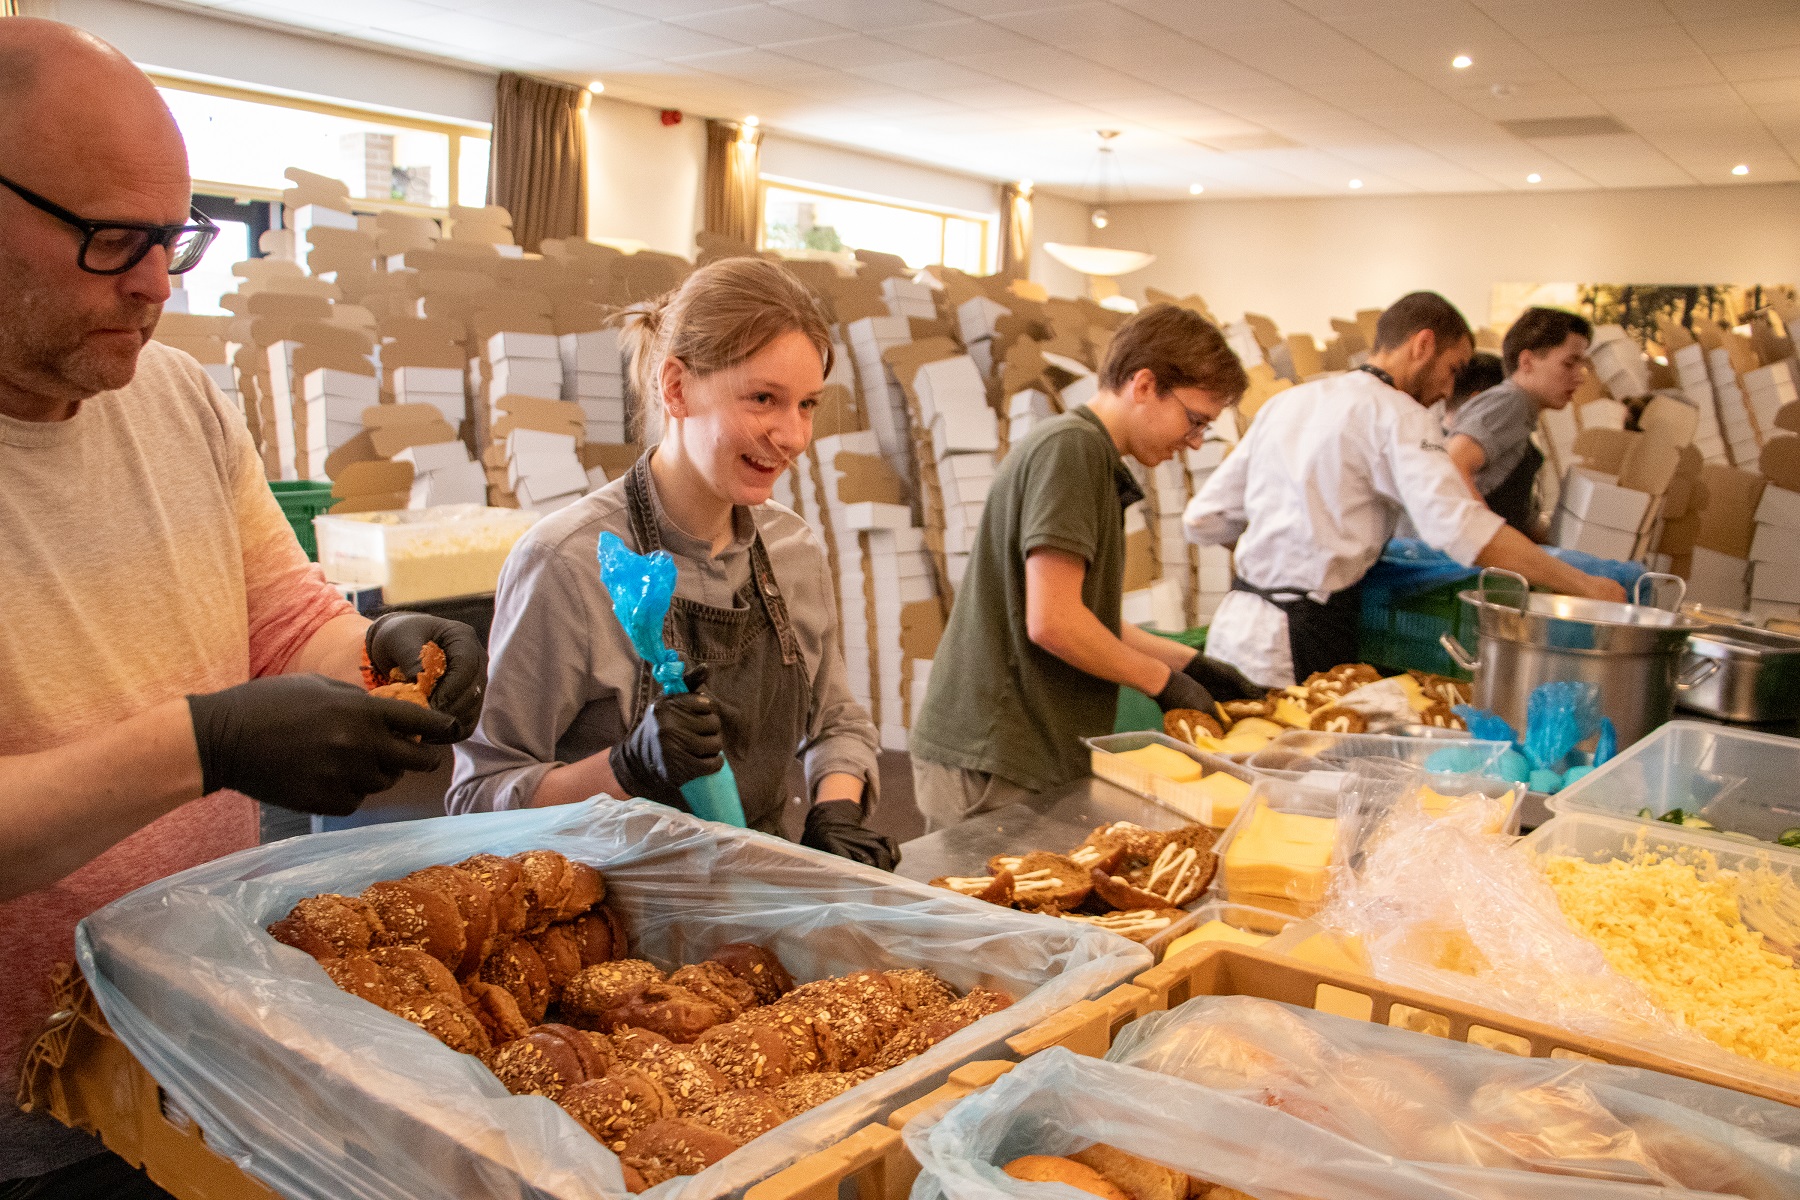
[
  {"x": 732, "y": 364},
  {"x": 1545, "y": 355}
]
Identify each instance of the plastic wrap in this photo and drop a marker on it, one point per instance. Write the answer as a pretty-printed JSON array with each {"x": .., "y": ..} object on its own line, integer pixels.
[
  {"x": 642, "y": 586},
  {"x": 1059, "y": 1103},
  {"x": 1434, "y": 1100},
  {"x": 320, "y": 1094}
]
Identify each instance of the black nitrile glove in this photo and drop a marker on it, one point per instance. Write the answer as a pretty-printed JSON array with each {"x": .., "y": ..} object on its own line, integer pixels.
[
  {"x": 680, "y": 739},
  {"x": 311, "y": 744},
  {"x": 836, "y": 827},
  {"x": 1222, "y": 680},
  {"x": 1182, "y": 692},
  {"x": 395, "y": 639}
]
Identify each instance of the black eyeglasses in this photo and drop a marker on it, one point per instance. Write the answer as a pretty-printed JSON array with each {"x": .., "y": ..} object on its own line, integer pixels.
[
  {"x": 1197, "y": 422},
  {"x": 114, "y": 247}
]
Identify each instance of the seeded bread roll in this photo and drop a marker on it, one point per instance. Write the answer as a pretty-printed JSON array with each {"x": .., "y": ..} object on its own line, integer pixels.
[
  {"x": 596, "y": 989},
  {"x": 561, "y": 955},
  {"x": 747, "y": 1055},
  {"x": 757, "y": 967},
  {"x": 419, "y": 916},
  {"x": 742, "y": 1115},
  {"x": 600, "y": 936},
  {"x": 504, "y": 880},
  {"x": 683, "y": 1074},
  {"x": 795, "y": 1029},
  {"x": 920, "y": 991},
  {"x": 618, "y": 1105},
  {"x": 473, "y": 905},
  {"x": 330, "y": 926},
  {"x": 549, "y": 1059},
  {"x": 1138, "y": 1178},
  {"x": 804, "y": 1092},
  {"x": 660, "y": 1007},
  {"x": 447, "y": 1019},
  {"x": 518, "y": 968},
  {"x": 497, "y": 1011},
  {"x": 663, "y": 1150},
  {"x": 635, "y": 1045},
  {"x": 365, "y": 978},
  {"x": 415, "y": 973},
  {"x": 716, "y": 985}
]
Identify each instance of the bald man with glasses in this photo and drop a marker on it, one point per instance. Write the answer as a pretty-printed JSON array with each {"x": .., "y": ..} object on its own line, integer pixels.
[{"x": 167, "y": 653}]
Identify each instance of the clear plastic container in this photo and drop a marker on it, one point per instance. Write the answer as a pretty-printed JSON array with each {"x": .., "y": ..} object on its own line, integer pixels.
[
  {"x": 1303, "y": 750},
  {"x": 421, "y": 554},
  {"x": 1302, "y": 797},
  {"x": 1192, "y": 800},
  {"x": 1745, "y": 784}
]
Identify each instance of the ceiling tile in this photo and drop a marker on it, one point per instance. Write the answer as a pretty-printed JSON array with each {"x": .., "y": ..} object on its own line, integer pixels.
[
  {"x": 1778, "y": 26},
  {"x": 1751, "y": 65},
  {"x": 929, "y": 74},
  {"x": 848, "y": 51},
  {"x": 867, "y": 15},
  {"x": 959, "y": 40},
  {"x": 756, "y": 24},
  {"x": 654, "y": 39}
]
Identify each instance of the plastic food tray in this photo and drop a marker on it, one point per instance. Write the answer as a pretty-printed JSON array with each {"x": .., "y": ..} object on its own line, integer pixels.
[
  {"x": 1185, "y": 798},
  {"x": 1282, "y": 795},
  {"x": 421, "y": 554},
  {"x": 1742, "y": 782},
  {"x": 1303, "y": 750}
]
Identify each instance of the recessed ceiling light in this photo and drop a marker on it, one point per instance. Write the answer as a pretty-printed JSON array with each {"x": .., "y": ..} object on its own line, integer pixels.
[
  {"x": 1740, "y": 169},
  {"x": 1024, "y": 185},
  {"x": 1462, "y": 62},
  {"x": 752, "y": 122},
  {"x": 1194, "y": 189},
  {"x": 1355, "y": 183},
  {"x": 1534, "y": 177},
  {"x": 596, "y": 87}
]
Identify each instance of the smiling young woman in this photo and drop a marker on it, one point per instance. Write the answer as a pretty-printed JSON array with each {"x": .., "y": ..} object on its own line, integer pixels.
[{"x": 728, "y": 369}]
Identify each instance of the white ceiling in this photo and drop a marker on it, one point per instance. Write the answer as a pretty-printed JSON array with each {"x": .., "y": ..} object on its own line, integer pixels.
[{"x": 1247, "y": 97}]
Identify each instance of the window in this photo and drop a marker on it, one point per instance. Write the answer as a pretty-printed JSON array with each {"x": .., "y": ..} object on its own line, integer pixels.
[
  {"x": 798, "y": 216},
  {"x": 241, "y": 141}
]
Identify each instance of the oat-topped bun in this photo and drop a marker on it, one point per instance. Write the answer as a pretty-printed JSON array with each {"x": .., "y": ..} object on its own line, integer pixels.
[
  {"x": 665, "y": 1149},
  {"x": 618, "y": 1105},
  {"x": 419, "y": 916},
  {"x": 757, "y": 967},
  {"x": 330, "y": 926},
  {"x": 549, "y": 1059}
]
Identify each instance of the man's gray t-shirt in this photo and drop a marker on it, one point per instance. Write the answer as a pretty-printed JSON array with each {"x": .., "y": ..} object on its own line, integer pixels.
[{"x": 1501, "y": 421}]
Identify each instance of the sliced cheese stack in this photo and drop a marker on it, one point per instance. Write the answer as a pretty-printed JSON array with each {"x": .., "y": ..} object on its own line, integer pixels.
[
  {"x": 1214, "y": 930},
  {"x": 1279, "y": 860},
  {"x": 880, "y": 393},
  {"x": 593, "y": 377}
]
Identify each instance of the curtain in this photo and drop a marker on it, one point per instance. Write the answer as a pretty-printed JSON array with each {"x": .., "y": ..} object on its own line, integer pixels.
[
  {"x": 732, "y": 195},
  {"x": 538, "y": 172},
  {"x": 1015, "y": 230},
  {"x": 9, "y": 8}
]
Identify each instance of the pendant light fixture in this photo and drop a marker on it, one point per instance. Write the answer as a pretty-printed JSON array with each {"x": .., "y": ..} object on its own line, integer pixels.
[{"x": 1106, "y": 179}]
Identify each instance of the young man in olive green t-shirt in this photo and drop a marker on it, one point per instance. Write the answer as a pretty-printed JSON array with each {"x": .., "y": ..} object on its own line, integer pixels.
[{"x": 1034, "y": 653}]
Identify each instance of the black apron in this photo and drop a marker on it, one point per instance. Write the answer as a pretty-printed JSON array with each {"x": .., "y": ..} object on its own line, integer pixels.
[
  {"x": 1511, "y": 497},
  {"x": 755, "y": 670},
  {"x": 1320, "y": 636}
]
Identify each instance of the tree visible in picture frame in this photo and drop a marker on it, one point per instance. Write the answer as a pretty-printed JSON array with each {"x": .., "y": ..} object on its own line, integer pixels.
[{"x": 1637, "y": 307}]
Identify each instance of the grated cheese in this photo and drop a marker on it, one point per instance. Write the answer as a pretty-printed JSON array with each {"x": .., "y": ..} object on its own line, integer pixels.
[{"x": 1679, "y": 936}]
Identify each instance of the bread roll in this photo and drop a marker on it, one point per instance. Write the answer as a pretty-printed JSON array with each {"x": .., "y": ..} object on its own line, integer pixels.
[{"x": 1047, "y": 1168}]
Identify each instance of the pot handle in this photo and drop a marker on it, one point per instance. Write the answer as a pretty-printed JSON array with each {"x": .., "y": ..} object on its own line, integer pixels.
[
  {"x": 1637, "y": 592},
  {"x": 1481, "y": 583},
  {"x": 1693, "y": 674},
  {"x": 1460, "y": 656}
]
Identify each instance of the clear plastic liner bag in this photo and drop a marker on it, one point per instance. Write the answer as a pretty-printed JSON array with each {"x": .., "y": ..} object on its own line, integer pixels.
[
  {"x": 641, "y": 587},
  {"x": 1060, "y": 1103},
  {"x": 322, "y": 1095},
  {"x": 1442, "y": 903},
  {"x": 1425, "y": 1099}
]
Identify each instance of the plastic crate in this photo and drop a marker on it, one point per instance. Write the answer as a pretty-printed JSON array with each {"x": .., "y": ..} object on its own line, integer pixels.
[
  {"x": 1741, "y": 782},
  {"x": 1401, "y": 632},
  {"x": 301, "y": 501},
  {"x": 1306, "y": 750},
  {"x": 415, "y": 555}
]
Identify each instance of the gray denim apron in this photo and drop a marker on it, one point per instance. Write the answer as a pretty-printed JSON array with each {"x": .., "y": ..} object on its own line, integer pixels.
[{"x": 755, "y": 670}]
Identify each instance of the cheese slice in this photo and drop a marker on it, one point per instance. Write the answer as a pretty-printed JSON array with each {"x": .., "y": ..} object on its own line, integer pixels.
[
  {"x": 1215, "y": 931},
  {"x": 1256, "y": 727},
  {"x": 1224, "y": 794},
  {"x": 1339, "y": 954},
  {"x": 1282, "y": 855},
  {"x": 1163, "y": 761},
  {"x": 1292, "y": 714},
  {"x": 1436, "y": 804}
]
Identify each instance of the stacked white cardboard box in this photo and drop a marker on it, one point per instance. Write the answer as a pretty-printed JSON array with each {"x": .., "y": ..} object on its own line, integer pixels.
[
  {"x": 224, "y": 376},
  {"x": 544, "y": 469},
  {"x": 443, "y": 473},
  {"x": 965, "y": 436},
  {"x": 1169, "y": 494},
  {"x": 1242, "y": 340},
  {"x": 1766, "y": 390},
  {"x": 907, "y": 298},
  {"x": 525, "y": 364},
  {"x": 882, "y": 398},
  {"x": 1775, "y": 556},
  {"x": 1212, "y": 564},
  {"x": 444, "y": 388},
  {"x": 1734, "y": 413},
  {"x": 1619, "y": 362},
  {"x": 1157, "y": 605},
  {"x": 882, "y": 567},
  {"x": 1689, "y": 362},
  {"x": 976, "y": 318},
  {"x": 1597, "y": 516},
  {"x": 335, "y": 401},
  {"x": 593, "y": 377},
  {"x": 1024, "y": 411}
]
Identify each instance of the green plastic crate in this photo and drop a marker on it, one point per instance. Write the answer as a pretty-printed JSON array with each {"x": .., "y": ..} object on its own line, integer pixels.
[
  {"x": 300, "y": 502},
  {"x": 1138, "y": 712},
  {"x": 1403, "y": 634}
]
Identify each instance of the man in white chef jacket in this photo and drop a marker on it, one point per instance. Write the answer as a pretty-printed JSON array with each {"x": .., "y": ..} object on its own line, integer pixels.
[{"x": 1316, "y": 487}]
